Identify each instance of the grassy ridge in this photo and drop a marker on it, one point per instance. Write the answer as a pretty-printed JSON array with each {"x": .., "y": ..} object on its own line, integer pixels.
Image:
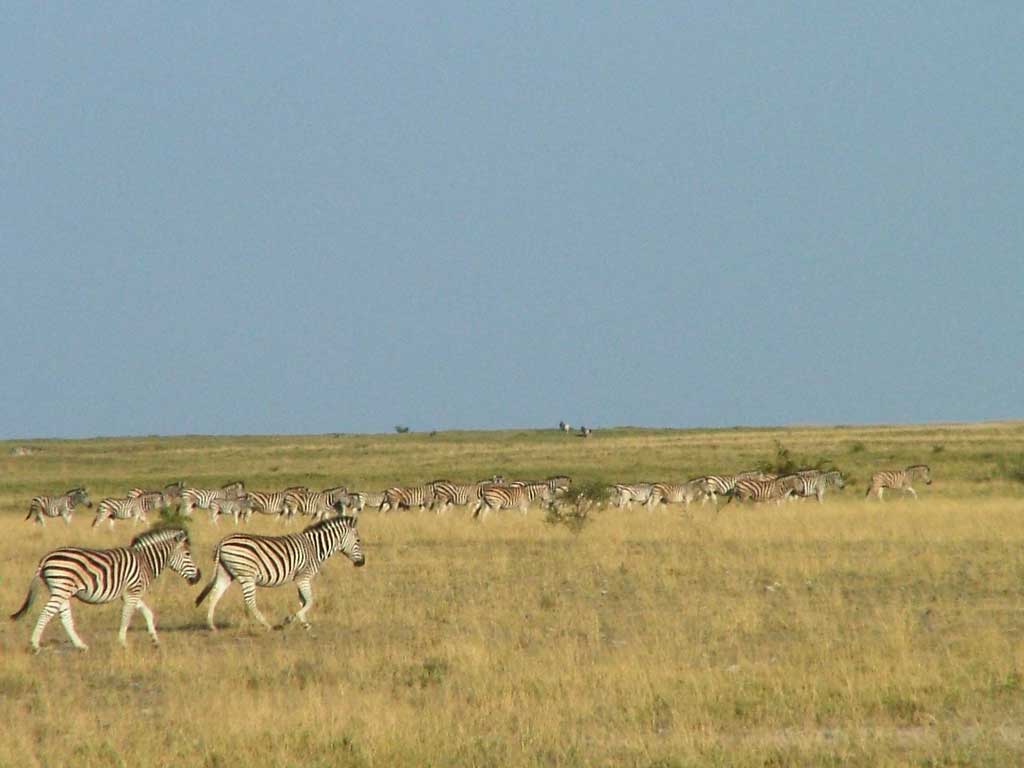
[{"x": 847, "y": 633}]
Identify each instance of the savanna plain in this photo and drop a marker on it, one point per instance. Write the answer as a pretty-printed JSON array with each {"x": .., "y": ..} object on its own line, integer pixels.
[{"x": 851, "y": 632}]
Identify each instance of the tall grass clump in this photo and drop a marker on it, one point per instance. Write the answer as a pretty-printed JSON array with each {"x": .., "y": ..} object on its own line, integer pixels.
[{"x": 573, "y": 506}]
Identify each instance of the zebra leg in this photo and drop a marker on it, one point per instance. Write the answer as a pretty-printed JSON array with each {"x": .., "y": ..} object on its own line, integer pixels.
[
  {"x": 249, "y": 594},
  {"x": 147, "y": 614},
  {"x": 221, "y": 583},
  {"x": 911, "y": 491},
  {"x": 69, "y": 626},
  {"x": 131, "y": 602},
  {"x": 67, "y": 517},
  {"x": 306, "y": 598}
]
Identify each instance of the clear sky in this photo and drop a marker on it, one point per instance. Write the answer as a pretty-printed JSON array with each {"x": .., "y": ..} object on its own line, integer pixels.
[{"x": 342, "y": 217}]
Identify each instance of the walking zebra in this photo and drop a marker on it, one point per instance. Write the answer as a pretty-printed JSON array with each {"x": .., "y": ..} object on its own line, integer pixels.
[
  {"x": 814, "y": 482},
  {"x": 171, "y": 492},
  {"x": 358, "y": 500},
  {"x": 315, "y": 504},
  {"x": 200, "y": 498},
  {"x": 713, "y": 486},
  {"x": 101, "y": 575},
  {"x": 236, "y": 508},
  {"x": 271, "y": 561},
  {"x": 272, "y": 503},
  {"x": 129, "y": 508},
  {"x": 494, "y": 497},
  {"x": 447, "y": 495},
  {"x": 585, "y": 432},
  {"x": 564, "y": 426},
  {"x": 760, "y": 491},
  {"x": 57, "y": 506},
  {"x": 421, "y": 496},
  {"x": 624, "y": 494},
  {"x": 899, "y": 479},
  {"x": 674, "y": 493}
]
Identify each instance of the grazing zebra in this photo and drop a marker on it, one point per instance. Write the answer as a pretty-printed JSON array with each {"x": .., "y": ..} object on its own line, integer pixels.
[
  {"x": 359, "y": 500},
  {"x": 421, "y": 496},
  {"x": 899, "y": 479},
  {"x": 814, "y": 482},
  {"x": 57, "y": 506},
  {"x": 511, "y": 497},
  {"x": 271, "y": 561},
  {"x": 315, "y": 504},
  {"x": 624, "y": 494},
  {"x": 129, "y": 508},
  {"x": 674, "y": 493},
  {"x": 236, "y": 508},
  {"x": 760, "y": 491},
  {"x": 272, "y": 503},
  {"x": 101, "y": 575},
  {"x": 200, "y": 498}
]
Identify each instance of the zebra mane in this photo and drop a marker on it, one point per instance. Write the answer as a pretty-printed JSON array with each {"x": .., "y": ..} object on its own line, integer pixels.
[
  {"x": 330, "y": 522},
  {"x": 158, "y": 536},
  {"x": 74, "y": 490},
  {"x": 918, "y": 466}
]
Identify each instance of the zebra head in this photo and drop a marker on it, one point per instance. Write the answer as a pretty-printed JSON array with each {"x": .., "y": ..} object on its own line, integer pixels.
[
  {"x": 836, "y": 478},
  {"x": 349, "y": 543},
  {"x": 922, "y": 471},
  {"x": 79, "y": 496},
  {"x": 181, "y": 561},
  {"x": 174, "y": 545}
]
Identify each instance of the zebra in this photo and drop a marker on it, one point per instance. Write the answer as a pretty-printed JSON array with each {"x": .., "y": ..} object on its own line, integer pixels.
[
  {"x": 315, "y": 504},
  {"x": 101, "y": 575},
  {"x": 585, "y": 432},
  {"x": 129, "y": 508},
  {"x": 673, "y": 493},
  {"x": 237, "y": 508},
  {"x": 273, "y": 502},
  {"x": 624, "y": 494},
  {"x": 200, "y": 498},
  {"x": 564, "y": 426},
  {"x": 511, "y": 497},
  {"x": 271, "y": 561},
  {"x": 421, "y": 496},
  {"x": 57, "y": 506},
  {"x": 899, "y": 479},
  {"x": 358, "y": 500},
  {"x": 713, "y": 486},
  {"x": 760, "y": 491},
  {"x": 558, "y": 483},
  {"x": 171, "y": 492},
  {"x": 447, "y": 495},
  {"x": 814, "y": 482}
]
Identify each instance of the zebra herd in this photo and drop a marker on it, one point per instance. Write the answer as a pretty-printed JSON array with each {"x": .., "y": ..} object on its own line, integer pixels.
[
  {"x": 761, "y": 487},
  {"x": 103, "y": 575}
]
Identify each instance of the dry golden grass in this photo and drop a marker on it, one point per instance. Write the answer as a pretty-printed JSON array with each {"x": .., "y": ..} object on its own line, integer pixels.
[{"x": 851, "y": 633}]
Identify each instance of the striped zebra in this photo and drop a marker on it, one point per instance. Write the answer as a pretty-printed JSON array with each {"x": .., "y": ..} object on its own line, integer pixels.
[
  {"x": 761, "y": 491},
  {"x": 564, "y": 426},
  {"x": 713, "y": 486},
  {"x": 61, "y": 506},
  {"x": 558, "y": 483},
  {"x": 399, "y": 497},
  {"x": 235, "y": 508},
  {"x": 129, "y": 508},
  {"x": 315, "y": 504},
  {"x": 272, "y": 561},
  {"x": 272, "y": 502},
  {"x": 171, "y": 492},
  {"x": 359, "y": 500},
  {"x": 496, "y": 497},
  {"x": 814, "y": 482},
  {"x": 674, "y": 493},
  {"x": 585, "y": 432},
  {"x": 447, "y": 495},
  {"x": 899, "y": 479},
  {"x": 200, "y": 498},
  {"x": 102, "y": 575},
  {"x": 624, "y": 494}
]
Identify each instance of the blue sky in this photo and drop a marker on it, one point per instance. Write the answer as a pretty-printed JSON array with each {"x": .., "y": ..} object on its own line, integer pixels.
[{"x": 461, "y": 215}]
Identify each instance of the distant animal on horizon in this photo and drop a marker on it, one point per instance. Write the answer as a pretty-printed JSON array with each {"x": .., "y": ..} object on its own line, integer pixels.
[
  {"x": 899, "y": 479},
  {"x": 585, "y": 432},
  {"x": 565, "y": 426}
]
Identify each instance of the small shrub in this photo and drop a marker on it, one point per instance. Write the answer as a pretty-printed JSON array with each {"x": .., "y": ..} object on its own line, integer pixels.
[
  {"x": 573, "y": 506},
  {"x": 1012, "y": 468},
  {"x": 401, "y": 429},
  {"x": 938, "y": 448},
  {"x": 785, "y": 463},
  {"x": 172, "y": 517},
  {"x": 857, "y": 447}
]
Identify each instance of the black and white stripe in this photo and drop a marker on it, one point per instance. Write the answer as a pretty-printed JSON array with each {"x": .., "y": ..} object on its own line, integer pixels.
[
  {"x": 899, "y": 479},
  {"x": 674, "y": 493},
  {"x": 356, "y": 501},
  {"x": 272, "y": 502},
  {"x": 235, "y": 508},
  {"x": 761, "y": 491},
  {"x": 315, "y": 504},
  {"x": 515, "y": 496},
  {"x": 129, "y": 508},
  {"x": 814, "y": 482},
  {"x": 447, "y": 495},
  {"x": 399, "y": 497},
  {"x": 201, "y": 498},
  {"x": 271, "y": 561},
  {"x": 713, "y": 486},
  {"x": 102, "y": 575},
  {"x": 61, "y": 506},
  {"x": 623, "y": 495}
]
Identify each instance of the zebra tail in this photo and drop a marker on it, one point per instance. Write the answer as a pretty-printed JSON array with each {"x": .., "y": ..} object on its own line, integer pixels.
[
  {"x": 216, "y": 573},
  {"x": 28, "y": 598},
  {"x": 31, "y": 509}
]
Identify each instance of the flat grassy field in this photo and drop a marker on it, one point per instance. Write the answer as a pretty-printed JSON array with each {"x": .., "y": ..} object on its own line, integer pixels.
[{"x": 847, "y": 633}]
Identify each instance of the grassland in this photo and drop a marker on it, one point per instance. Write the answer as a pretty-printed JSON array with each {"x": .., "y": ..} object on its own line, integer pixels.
[{"x": 851, "y": 633}]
